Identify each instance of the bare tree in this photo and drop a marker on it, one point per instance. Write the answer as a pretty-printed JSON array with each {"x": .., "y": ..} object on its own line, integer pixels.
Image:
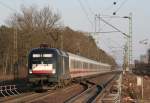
[{"x": 31, "y": 18}]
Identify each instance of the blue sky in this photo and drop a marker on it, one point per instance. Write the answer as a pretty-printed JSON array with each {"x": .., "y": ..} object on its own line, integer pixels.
[{"x": 74, "y": 17}]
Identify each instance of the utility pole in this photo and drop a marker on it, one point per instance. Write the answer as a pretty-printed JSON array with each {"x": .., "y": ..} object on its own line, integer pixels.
[
  {"x": 129, "y": 43},
  {"x": 130, "y": 40},
  {"x": 128, "y": 48},
  {"x": 97, "y": 17},
  {"x": 125, "y": 61},
  {"x": 15, "y": 57}
]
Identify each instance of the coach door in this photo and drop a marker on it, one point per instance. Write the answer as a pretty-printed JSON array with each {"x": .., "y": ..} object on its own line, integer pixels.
[{"x": 63, "y": 65}]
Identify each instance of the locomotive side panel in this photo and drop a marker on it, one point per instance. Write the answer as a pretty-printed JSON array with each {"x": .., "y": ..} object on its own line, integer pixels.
[{"x": 63, "y": 68}]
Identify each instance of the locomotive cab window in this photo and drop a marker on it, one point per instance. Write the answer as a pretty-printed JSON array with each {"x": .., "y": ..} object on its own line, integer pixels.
[
  {"x": 42, "y": 59},
  {"x": 43, "y": 63}
]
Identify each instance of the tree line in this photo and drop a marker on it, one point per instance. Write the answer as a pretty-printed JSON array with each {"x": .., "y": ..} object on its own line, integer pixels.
[{"x": 36, "y": 26}]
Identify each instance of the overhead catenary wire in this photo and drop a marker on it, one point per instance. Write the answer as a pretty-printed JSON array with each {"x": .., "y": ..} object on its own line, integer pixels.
[
  {"x": 91, "y": 11},
  {"x": 115, "y": 53},
  {"x": 114, "y": 27},
  {"x": 85, "y": 12},
  {"x": 110, "y": 7},
  {"x": 107, "y": 23},
  {"x": 107, "y": 16},
  {"x": 114, "y": 3},
  {"x": 121, "y": 5},
  {"x": 107, "y": 45},
  {"x": 89, "y": 7},
  {"x": 110, "y": 19}
]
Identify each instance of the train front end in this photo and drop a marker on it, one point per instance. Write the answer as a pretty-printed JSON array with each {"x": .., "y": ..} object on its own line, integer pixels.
[{"x": 42, "y": 66}]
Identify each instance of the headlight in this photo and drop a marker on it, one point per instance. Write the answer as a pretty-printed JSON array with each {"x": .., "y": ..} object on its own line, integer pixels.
[
  {"x": 30, "y": 71},
  {"x": 53, "y": 71}
]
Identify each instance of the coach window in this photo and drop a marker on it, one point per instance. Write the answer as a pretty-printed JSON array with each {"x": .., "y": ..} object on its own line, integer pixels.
[
  {"x": 94, "y": 66},
  {"x": 71, "y": 64},
  {"x": 79, "y": 64},
  {"x": 90, "y": 66},
  {"x": 76, "y": 64},
  {"x": 102, "y": 67},
  {"x": 85, "y": 65},
  {"x": 98, "y": 67},
  {"x": 82, "y": 65}
]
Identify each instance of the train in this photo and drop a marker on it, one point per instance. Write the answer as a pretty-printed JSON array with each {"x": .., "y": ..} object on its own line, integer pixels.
[{"x": 55, "y": 66}]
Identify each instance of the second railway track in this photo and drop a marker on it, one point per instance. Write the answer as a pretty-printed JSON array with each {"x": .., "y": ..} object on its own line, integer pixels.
[
  {"x": 90, "y": 95},
  {"x": 34, "y": 97},
  {"x": 25, "y": 98}
]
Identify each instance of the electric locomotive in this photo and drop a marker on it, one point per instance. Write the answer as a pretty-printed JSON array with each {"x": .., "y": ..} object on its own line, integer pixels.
[{"x": 54, "y": 66}]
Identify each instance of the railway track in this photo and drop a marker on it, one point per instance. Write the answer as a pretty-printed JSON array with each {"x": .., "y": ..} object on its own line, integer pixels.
[
  {"x": 35, "y": 97},
  {"x": 111, "y": 93},
  {"x": 25, "y": 98},
  {"x": 83, "y": 96},
  {"x": 93, "y": 94},
  {"x": 75, "y": 93}
]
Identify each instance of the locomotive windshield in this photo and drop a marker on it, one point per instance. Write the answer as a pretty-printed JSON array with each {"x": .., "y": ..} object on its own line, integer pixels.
[
  {"x": 42, "y": 63},
  {"x": 42, "y": 59}
]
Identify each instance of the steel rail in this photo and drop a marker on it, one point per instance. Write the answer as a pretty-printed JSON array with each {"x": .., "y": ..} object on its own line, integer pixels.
[
  {"x": 91, "y": 93},
  {"x": 26, "y": 98},
  {"x": 104, "y": 91}
]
